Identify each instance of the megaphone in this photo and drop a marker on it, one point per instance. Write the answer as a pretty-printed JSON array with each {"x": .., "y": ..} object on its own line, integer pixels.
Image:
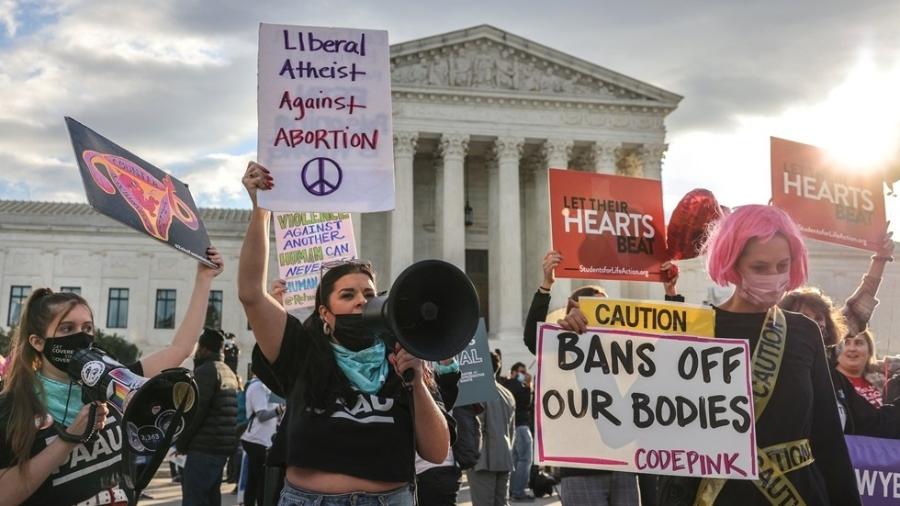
[
  {"x": 432, "y": 310},
  {"x": 151, "y": 411}
]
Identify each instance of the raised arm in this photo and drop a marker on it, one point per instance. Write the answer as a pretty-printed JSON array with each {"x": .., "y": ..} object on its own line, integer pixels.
[
  {"x": 859, "y": 307},
  {"x": 432, "y": 431},
  {"x": 540, "y": 303},
  {"x": 191, "y": 325},
  {"x": 266, "y": 316}
]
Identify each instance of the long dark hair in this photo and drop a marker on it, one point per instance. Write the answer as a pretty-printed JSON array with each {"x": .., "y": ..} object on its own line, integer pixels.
[{"x": 321, "y": 381}]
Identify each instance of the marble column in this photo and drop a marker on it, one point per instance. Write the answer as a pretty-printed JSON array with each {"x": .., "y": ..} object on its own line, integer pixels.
[
  {"x": 557, "y": 153},
  {"x": 357, "y": 234},
  {"x": 401, "y": 218},
  {"x": 604, "y": 157},
  {"x": 652, "y": 156},
  {"x": 494, "y": 241},
  {"x": 452, "y": 232},
  {"x": 507, "y": 261}
]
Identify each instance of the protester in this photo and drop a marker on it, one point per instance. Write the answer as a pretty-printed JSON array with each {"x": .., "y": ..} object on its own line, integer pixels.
[
  {"x": 42, "y": 419},
  {"x": 211, "y": 437},
  {"x": 351, "y": 431},
  {"x": 232, "y": 353},
  {"x": 489, "y": 479},
  {"x": 760, "y": 250},
  {"x": 519, "y": 384},
  {"x": 262, "y": 416},
  {"x": 438, "y": 484}
]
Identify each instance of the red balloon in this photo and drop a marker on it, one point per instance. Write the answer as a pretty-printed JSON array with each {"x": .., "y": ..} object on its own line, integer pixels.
[{"x": 689, "y": 223}]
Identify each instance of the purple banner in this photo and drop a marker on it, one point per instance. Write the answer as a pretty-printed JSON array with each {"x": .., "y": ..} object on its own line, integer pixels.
[{"x": 876, "y": 462}]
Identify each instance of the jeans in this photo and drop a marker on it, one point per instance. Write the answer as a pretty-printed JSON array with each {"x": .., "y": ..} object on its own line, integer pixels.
[
  {"x": 202, "y": 478},
  {"x": 521, "y": 456},
  {"x": 293, "y": 496}
]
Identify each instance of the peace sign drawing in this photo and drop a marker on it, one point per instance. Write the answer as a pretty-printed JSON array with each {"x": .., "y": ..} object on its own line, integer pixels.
[{"x": 321, "y": 176}]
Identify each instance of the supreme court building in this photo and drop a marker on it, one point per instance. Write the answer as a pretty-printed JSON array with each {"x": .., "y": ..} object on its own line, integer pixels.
[{"x": 479, "y": 116}]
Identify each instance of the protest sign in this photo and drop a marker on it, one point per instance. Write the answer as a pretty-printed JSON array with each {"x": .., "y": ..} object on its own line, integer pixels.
[
  {"x": 324, "y": 116},
  {"x": 476, "y": 382},
  {"x": 303, "y": 242},
  {"x": 829, "y": 202},
  {"x": 649, "y": 316},
  {"x": 876, "y": 462},
  {"x": 132, "y": 191},
  {"x": 638, "y": 402},
  {"x": 607, "y": 227}
]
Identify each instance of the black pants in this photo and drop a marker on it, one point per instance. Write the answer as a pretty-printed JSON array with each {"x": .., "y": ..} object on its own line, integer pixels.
[
  {"x": 256, "y": 472},
  {"x": 438, "y": 486}
]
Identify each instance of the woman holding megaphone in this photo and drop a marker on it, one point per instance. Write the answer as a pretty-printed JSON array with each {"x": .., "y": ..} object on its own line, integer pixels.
[
  {"x": 54, "y": 449},
  {"x": 350, "y": 433}
]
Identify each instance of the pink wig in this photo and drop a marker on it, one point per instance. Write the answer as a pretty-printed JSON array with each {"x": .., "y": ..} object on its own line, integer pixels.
[{"x": 728, "y": 238}]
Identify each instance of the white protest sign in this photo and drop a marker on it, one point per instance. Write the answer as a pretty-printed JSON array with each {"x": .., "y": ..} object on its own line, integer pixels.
[
  {"x": 303, "y": 241},
  {"x": 324, "y": 114},
  {"x": 645, "y": 403}
]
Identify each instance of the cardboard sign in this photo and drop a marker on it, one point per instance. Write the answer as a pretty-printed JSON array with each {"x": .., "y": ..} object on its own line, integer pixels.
[
  {"x": 303, "y": 242},
  {"x": 638, "y": 402},
  {"x": 476, "y": 382},
  {"x": 876, "y": 462},
  {"x": 649, "y": 316},
  {"x": 830, "y": 203},
  {"x": 607, "y": 227},
  {"x": 324, "y": 115},
  {"x": 132, "y": 191}
]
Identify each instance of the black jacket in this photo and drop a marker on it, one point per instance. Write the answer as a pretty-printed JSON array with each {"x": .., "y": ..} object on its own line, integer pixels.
[
  {"x": 213, "y": 427},
  {"x": 864, "y": 419}
]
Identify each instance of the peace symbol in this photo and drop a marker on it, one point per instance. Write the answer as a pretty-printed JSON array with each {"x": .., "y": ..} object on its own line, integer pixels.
[{"x": 321, "y": 176}]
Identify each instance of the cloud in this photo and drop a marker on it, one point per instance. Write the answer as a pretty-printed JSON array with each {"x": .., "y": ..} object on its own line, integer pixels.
[{"x": 8, "y": 17}]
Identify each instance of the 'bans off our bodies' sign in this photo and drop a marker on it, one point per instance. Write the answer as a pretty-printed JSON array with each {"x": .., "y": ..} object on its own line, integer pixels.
[
  {"x": 324, "y": 112},
  {"x": 829, "y": 203},
  {"x": 607, "y": 227},
  {"x": 304, "y": 241},
  {"x": 637, "y": 402}
]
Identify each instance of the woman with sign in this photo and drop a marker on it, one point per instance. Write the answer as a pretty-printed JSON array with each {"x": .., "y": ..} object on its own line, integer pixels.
[
  {"x": 348, "y": 434},
  {"x": 54, "y": 449},
  {"x": 759, "y": 250}
]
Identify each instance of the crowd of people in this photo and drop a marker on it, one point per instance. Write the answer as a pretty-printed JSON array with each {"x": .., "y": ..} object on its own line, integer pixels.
[{"x": 345, "y": 415}]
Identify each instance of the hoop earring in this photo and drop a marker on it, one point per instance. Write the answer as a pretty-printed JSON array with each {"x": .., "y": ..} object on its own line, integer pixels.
[{"x": 326, "y": 329}]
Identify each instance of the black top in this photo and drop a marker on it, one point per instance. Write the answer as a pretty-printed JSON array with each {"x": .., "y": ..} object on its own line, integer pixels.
[
  {"x": 371, "y": 438},
  {"x": 802, "y": 406},
  {"x": 90, "y": 469},
  {"x": 524, "y": 400},
  {"x": 213, "y": 428},
  {"x": 864, "y": 419}
]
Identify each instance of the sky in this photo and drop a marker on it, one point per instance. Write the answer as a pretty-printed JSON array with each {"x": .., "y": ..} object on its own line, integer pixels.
[{"x": 175, "y": 81}]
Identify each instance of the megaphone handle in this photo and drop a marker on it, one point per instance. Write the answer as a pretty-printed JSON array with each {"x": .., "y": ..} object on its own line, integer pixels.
[
  {"x": 409, "y": 375},
  {"x": 89, "y": 433}
]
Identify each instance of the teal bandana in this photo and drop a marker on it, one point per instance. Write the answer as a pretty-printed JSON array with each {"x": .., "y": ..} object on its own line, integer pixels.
[
  {"x": 366, "y": 369},
  {"x": 60, "y": 395},
  {"x": 441, "y": 369}
]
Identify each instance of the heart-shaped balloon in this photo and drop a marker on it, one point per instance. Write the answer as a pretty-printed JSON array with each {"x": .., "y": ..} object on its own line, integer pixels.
[{"x": 689, "y": 223}]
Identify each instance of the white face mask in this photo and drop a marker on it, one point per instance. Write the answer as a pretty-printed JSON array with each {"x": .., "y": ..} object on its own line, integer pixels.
[{"x": 763, "y": 289}]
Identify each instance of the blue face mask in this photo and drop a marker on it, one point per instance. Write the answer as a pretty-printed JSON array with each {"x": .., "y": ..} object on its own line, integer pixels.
[
  {"x": 63, "y": 399},
  {"x": 366, "y": 369}
]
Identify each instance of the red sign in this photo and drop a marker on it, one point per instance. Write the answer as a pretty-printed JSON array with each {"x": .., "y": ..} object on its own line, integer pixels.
[
  {"x": 607, "y": 227},
  {"x": 829, "y": 202}
]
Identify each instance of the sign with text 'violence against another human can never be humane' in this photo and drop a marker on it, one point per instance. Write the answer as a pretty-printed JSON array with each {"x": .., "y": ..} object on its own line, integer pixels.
[
  {"x": 607, "y": 227},
  {"x": 639, "y": 402},
  {"x": 324, "y": 115},
  {"x": 303, "y": 242},
  {"x": 828, "y": 201}
]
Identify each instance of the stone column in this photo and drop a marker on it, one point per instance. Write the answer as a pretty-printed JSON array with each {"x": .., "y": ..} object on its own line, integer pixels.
[
  {"x": 603, "y": 156},
  {"x": 557, "y": 153},
  {"x": 652, "y": 156},
  {"x": 494, "y": 241},
  {"x": 507, "y": 261},
  {"x": 453, "y": 199},
  {"x": 401, "y": 218},
  {"x": 357, "y": 234}
]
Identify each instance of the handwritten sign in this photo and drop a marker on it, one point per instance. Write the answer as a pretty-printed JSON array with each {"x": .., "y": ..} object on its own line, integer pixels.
[
  {"x": 649, "y": 316},
  {"x": 638, "y": 402},
  {"x": 303, "y": 241},
  {"x": 324, "y": 113},
  {"x": 829, "y": 202},
  {"x": 607, "y": 227},
  {"x": 876, "y": 462},
  {"x": 134, "y": 192},
  {"x": 476, "y": 382}
]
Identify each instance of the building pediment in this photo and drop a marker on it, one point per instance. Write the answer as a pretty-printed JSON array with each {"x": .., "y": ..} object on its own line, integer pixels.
[{"x": 487, "y": 60}]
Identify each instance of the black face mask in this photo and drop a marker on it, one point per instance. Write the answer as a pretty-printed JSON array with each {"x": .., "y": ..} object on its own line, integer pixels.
[
  {"x": 60, "y": 350},
  {"x": 352, "y": 333}
]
